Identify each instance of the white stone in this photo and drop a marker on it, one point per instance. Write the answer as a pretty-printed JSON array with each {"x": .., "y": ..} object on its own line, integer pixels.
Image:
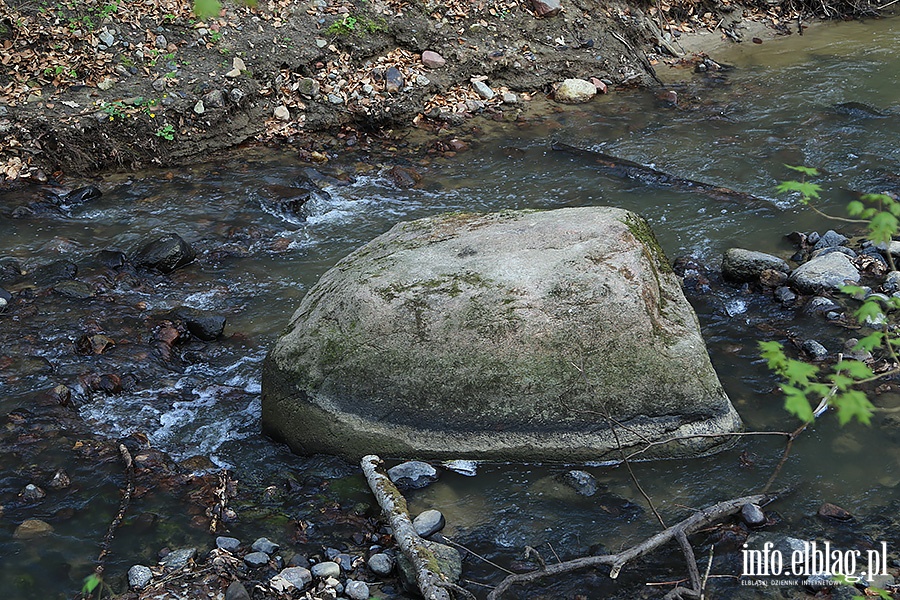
[{"x": 575, "y": 91}]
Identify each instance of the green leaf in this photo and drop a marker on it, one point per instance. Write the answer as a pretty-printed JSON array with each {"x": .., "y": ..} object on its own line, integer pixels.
[
  {"x": 870, "y": 342},
  {"x": 807, "y": 190},
  {"x": 799, "y": 372},
  {"x": 854, "y": 291},
  {"x": 205, "y": 9},
  {"x": 870, "y": 310},
  {"x": 90, "y": 583},
  {"x": 853, "y": 403},
  {"x": 808, "y": 171},
  {"x": 854, "y": 368},
  {"x": 883, "y": 227},
  {"x": 795, "y": 402},
  {"x": 773, "y": 353},
  {"x": 855, "y": 208}
]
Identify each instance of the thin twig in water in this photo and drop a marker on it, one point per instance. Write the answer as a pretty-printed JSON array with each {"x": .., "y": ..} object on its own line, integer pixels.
[
  {"x": 476, "y": 555},
  {"x": 712, "y": 549}
]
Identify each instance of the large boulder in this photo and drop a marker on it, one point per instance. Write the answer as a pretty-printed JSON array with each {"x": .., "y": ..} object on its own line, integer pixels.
[{"x": 505, "y": 336}]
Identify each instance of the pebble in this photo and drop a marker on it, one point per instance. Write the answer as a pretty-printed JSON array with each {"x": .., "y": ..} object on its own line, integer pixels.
[
  {"x": 236, "y": 95},
  {"x": 381, "y": 564},
  {"x": 422, "y": 81},
  {"x": 816, "y": 350},
  {"x": 236, "y": 591},
  {"x": 237, "y": 67},
  {"x": 282, "y": 113},
  {"x": 510, "y": 98},
  {"x": 433, "y": 60},
  {"x": 32, "y": 493},
  {"x": 832, "y": 511},
  {"x": 256, "y": 559},
  {"x": 32, "y": 528},
  {"x": 161, "y": 42},
  {"x": 784, "y": 295},
  {"x": 299, "y": 577},
  {"x": 60, "y": 479},
  {"x": 368, "y": 89},
  {"x": 107, "y": 38},
  {"x": 164, "y": 254},
  {"x": 335, "y": 99},
  {"x": 356, "y": 590},
  {"x": 321, "y": 43},
  {"x": 214, "y": 99},
  {"x": 199, "y": 108},
  {"x": 309, "y": 87},
  {"x": 393, "y": 80},
  {"x": 581, "y": 481},
  {"x": 753, "y": 515},
  {"x": 139, "y": 576},
  {"x": 229, "y": 544},
  {"x": 324, "y": 570},
  {"x": 106, "y": 83},
  {"x": 265, "y": 545},
  {"x": 159, "y": 85},
  {"x": 483, "y": 89},
  {"x": 428, "y": 522},
  {"x": 413, "y": 474},
  {"x": 178, "y": 559}
]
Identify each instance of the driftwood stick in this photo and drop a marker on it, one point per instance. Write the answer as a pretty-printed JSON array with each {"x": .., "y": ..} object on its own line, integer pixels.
[
  {"x": 393, "y": 507},
  {"x": 127, "y": 491},
  {"x": 696, "y": 521}
]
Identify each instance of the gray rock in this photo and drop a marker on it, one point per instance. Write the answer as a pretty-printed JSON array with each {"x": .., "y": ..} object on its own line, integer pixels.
[
  {"x": 32, "y": 493},
  {"x": 229, "y": 544},
  {"x": 326, "y": 569},
  {"x": 813, "y": 237},
  {"x": 575, "y": 91},
  {"x": 107, "y": 38},
  {"x": 582, "y": 482},
  {"x": 546, "y": 8},
  {"x": 178, "y": 559},
  {"x": 785, "y": 295},
  {"x": 818, "y": 582},
  {"x": 199, "y": 108},
  {"x": 742, "y": 265},
  {"x": 428, "y": 522},
  {"x": 356, "y": 590},
  {"x": 820, "y": 305},
  {"x": 214, "y": 99},
  {"x": 433, "y": 60},
  {"x": 510, "y": 98},
  {"x": 845, "y": 592},
  {"x": 77, "y": 290},
  {"x": 335, "y": 99},
  {"x": 159, "y": 85},
  {"x": 32, "y": 528},
  {"x": 164, "y": 254},
  {"x": 413, "y": 474},
  {"x": 282, "y": 113},
  {"x": 891, "y": 282},
  {"x": 830, "y": 239},
  {"x": 422, "y": 81},
  {"x": 381, "y": 564},
  {"x": 829, "y": 272},
  {"x": 298, "y": 560},
  {"x": 299, "y": 577},
  {"x": 264, "y": 545},
  {"x": 478, "y": 319},
  {"x": 256, "y": 559},
  {"x": 236, "y": 591},
  {"x": 139, "y": 576},
  {"x": 893, "y": 248},
  {"x": 483, "y": 89},
  {"x": 842, "y": 249},
  {"x": 237, "y": 95},
  {"x": 161, "y": 42},
  {"x": 345, "y": 561},
  {"x": 816, "y": 350},
  {"x": 308, "y": 87},
  {"x": 752, "y": 515}
]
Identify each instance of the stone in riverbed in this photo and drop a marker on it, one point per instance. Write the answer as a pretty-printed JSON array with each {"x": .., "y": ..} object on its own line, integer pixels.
[
  {"x": 828, "y": 272},
  {"x": 816, "y": 350},
  {"x": 743, "y": 265},
  {"x": 139, "y": 576},
  {"x": 229, "y": 544},
  {"x": 326, "y": 569},
  {"x": 581, "y": 481},
  {"x": 381, "y": 564},
  {"x": 478, "y": 320},
  {"x": 428, "y": 522},
  {"x": 832, "y": 511},
  {"x": 178, "y": 559},
  {"x": 299, "y": 577},
  {"x": 356, "y": 590},
  {"x": 256, "y": 559},
  {"x": 237, "y": 591},
  {"x": 282, "y": 113},
  {"x": 433, "y": 60},
  {"x": 753, "y": 515},
  {"x": 830, "y": 239},
  {"x": 264, "y": 545},
  {"x": 32, "y": 528},
  {"x": 393, "y": 80},
  {"x": 164, "y": 254},
  {"x": 575, "y": 91},
  {"x": 413, "y": 474},
  {"x": 483, "y": 89}
]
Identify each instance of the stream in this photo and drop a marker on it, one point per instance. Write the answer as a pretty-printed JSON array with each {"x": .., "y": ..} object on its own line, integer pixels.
[{"x": 254, "y": 263}]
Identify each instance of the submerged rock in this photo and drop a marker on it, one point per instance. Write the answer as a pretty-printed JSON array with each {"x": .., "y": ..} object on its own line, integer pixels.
[
  {"x": 455, "y": 337},
  {"x": 742, "y": 265}
]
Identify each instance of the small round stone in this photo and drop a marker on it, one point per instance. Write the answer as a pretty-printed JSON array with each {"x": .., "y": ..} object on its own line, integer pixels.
[
  {"x": 381, "y": 564},
  {"x": 326, "y": 569},
  {"x": 229, "y": 544},
  {"x": 256, "y": 559},
  {"x": 356, "y": 590},
  {"x": 139, "y": 576},
  {"x": 429, "y": 522},
  {"x": 264, "y": 545}
]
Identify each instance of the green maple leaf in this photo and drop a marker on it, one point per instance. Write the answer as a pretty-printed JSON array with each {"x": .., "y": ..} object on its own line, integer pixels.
[
  {"x": 795, "y": 402},
  {"x": 853, "y": 403}
]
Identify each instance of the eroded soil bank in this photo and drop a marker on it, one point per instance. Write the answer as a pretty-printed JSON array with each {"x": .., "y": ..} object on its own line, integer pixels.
[{"x": 101, "y": 85}]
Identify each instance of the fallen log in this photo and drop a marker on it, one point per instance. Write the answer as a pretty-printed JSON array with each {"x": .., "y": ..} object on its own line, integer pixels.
[
  {"x": 616, "y": 562},
  {"x": 420, "y": 552},
  {"x": 627, "y": 169}
]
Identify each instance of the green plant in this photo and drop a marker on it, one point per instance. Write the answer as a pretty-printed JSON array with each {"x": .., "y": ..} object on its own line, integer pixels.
[
  {"x": 805, "y": 385},
  {"x": 108, "y": 10},
  {"x": 166, "y": 132},
  {"x": 345, "y": 26},
  {"x": 114, "y": 109},
  {"x": 215, "y": 36}
]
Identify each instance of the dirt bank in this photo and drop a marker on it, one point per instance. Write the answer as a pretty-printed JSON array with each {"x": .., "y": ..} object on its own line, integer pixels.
[{"x": 100, "y": 85}]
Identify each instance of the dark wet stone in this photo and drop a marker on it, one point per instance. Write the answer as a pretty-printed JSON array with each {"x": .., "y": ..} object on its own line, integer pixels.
[
  {"x": 178, "y": 559},
  {"x": 23, "y": 366},
  {"x": 62, "y": 395},
  {"x": 139, "y": 576},
  {"x": 785, "y": 295},
  {"x": 308, "y": 87},
  {"x": 345, "y": 561},
  {"x": 288, "y": 201},
  {"x": 236, "y": 591},
  {"x": 214, "y": 99},
  {"x": 581, "y": 481},
  {"x": 753, "y": 515},
  {"x": 111, "y": 259},
  {"x": 265, "y": 545},
  {"x": 742, "y": 265},
  {"x": 205, "y": 326},
  {"x": 164, "y": 254},
  {"x": 81, "y": 195},
  {"x": 816, "y": 350},
  {"x": 428, "y": 522},
  {"x": 59, "y": 481},
  {"x": 413, "y": 474},
  {"x": 813, "y": 237},
  {"x": 94, "y": 344},
  {"x": 405, "y": 177},
  {"x": 830, "y": 239},
  {"x": 891, "y": 282},
  {"x": 832, "y": 511},
  {"x": 229, "y": 544},
  {"x": 821, "y": 305},
  {"x": 54, "y": 272},
  {"x": 32, "y": 493},
  {"x": 393, "y": 80},
  {"x": 10, "y": 269},
  {"x": 381, "y": 564},
  {"x": 770, "y": 278},
  {"x": 31, "y": 528},
  {"x": 77, "y": 290},
  {"x": 356, "y": 590},
  {"x": 858, "y": 110},
  {"x": 4, "y": 295},
  {"x": 299, "y": 560},
  {"x": 256, "y": 559}
]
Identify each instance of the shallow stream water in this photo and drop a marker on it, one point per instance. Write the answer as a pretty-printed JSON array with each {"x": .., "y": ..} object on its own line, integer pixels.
[{"x": 736, "y": 129}]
